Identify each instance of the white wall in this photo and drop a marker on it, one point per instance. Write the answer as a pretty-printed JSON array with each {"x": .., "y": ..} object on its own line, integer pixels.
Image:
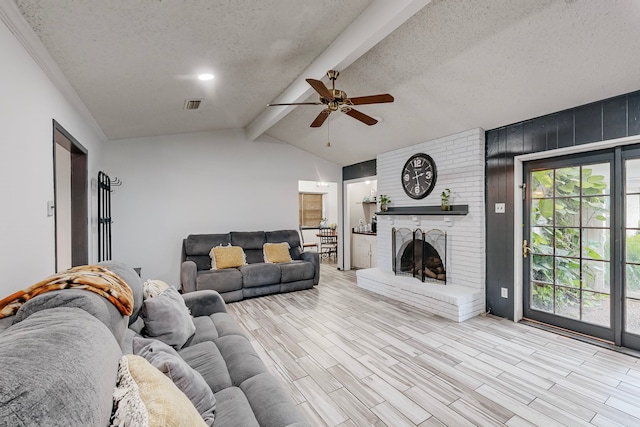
[
  {"x": 460, "y": 163},
  {"x": 357, "y": 211},
  {"x": 214, "y": 182},
  {"x": 28, "y": 103}
]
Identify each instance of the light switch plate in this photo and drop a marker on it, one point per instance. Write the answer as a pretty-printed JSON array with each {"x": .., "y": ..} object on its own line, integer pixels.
[
  {"x": 500, "y": 208},
  {"x": 50, "y": 208},
  {"x": 504, "y": 292}
]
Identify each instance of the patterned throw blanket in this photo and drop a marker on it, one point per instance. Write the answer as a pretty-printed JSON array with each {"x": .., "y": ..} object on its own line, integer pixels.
[{"x": 92, "y": 278}]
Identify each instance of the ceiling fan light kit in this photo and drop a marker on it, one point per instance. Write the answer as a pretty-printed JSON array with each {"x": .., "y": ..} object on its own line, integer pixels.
[{"x": 336, "y": 99}]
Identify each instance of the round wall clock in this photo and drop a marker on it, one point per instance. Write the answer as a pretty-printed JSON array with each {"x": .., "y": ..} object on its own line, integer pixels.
[{"x": 419, "y": 176}]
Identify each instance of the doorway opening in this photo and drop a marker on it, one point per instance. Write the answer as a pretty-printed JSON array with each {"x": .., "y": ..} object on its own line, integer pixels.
[
  {"x": 317, "y": 209},
  {"x": 70, "y": 200}
]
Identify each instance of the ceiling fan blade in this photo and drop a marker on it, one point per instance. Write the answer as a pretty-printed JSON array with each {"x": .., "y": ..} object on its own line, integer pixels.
[
  {"x": 367, "y": 120},
  {"x": 324, "y": 114},
  {"x": 295, "y": 103},
  {"x": 371, "y": 99},
  {"x": 319, "y": 87}
]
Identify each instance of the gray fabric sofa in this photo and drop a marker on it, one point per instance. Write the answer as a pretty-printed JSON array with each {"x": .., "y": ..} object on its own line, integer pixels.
[
  {"x": 257, "y": 277},
  {"x": 59, "y": 359}
]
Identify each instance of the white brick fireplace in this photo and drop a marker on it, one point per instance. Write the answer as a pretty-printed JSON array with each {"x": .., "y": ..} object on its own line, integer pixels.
[{"x": 460, "y": 161}]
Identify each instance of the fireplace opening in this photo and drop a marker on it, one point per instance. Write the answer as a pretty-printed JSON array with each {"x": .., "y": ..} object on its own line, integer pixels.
[{"x": 420, "y": 254}]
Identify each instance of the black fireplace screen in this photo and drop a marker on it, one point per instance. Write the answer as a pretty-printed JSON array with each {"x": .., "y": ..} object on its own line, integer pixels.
[{"x": 420, "y": 254}]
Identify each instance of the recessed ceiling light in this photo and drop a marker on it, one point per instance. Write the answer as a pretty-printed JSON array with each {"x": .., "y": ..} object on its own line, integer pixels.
[{"x": 205, "y": 76}]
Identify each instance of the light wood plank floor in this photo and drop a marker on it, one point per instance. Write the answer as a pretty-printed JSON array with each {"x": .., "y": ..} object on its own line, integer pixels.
[{"x": 349, "y": 357}]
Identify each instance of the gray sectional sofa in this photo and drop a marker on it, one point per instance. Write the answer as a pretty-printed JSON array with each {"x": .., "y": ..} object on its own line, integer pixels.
[
  {"x": 59, "y": 359},
  {"x": 256, "y": 277}
]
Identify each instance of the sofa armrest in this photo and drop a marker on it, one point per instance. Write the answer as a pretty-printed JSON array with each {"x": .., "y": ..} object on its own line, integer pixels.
[
  {"x": 188, "y": 274},
  {"x": 313, "y": 258},
  {"x": 204, "y": 303}
]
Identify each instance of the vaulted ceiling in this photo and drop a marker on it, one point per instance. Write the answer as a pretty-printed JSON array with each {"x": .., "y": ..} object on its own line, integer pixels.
[{"x": 450, "y": 64}]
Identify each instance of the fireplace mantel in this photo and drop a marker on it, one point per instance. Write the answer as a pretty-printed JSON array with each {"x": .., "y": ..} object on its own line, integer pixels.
[{"x": 425, "y": 210}]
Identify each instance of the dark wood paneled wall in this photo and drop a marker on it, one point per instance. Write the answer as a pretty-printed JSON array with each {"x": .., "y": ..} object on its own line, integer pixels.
[{"x": 612, "y": 118}]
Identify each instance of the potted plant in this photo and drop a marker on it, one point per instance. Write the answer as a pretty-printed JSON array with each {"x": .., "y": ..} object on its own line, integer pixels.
[
  {"x": 384, "y": 202},
  {"x": 444, "y": 200}
]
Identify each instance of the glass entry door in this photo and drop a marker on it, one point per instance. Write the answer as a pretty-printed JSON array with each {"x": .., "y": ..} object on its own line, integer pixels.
[
  {"x": 581, "y": 244},
  {"x": 631, "y": 249},
  {"x": 568, "y": 244}
]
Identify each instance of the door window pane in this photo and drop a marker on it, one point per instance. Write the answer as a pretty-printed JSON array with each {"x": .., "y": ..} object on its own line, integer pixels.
[
  {"x": 568, "y": 212},
  {"x": 596, "y": 276},
  {"x": 595, "y": 243},
  {"x": 567, "y": 182},
  {"x": 542, "y": 297},
  {"x": 542, "y": 240},
  {"x": 596, "y": 308},
  {"x": 542, "y": 184},
  {"x": 596, "y": 179},
  {"x": 567, "y": 242},
  {"x": 595, "y": 211}
]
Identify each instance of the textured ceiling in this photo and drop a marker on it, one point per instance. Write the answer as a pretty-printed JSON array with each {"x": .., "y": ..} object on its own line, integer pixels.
[{"x": 454, "y": 65}]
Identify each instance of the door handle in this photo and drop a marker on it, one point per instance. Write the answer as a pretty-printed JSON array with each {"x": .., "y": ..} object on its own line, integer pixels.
[{"x": 525, "y": 249}]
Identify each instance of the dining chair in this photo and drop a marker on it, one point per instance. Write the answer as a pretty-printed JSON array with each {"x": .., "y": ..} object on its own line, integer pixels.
[
  {"x": 307, "y": 245},
  {"x": 328, "y": 242}
]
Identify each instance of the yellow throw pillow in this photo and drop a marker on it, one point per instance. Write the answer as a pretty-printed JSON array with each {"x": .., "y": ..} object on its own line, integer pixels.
[
  {"x": 227, "y": 257},
  {"x": 276, "y": 252},
  {"x": 165, "y": 404}
]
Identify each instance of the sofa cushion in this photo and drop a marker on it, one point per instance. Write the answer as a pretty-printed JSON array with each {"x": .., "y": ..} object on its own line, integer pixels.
[
  {"x": 201, "y": 244},
  {"x": 234, "y": 409},
  {"x": 296, "y": 270},
  {"x": 227, "y": 257},
  {"x": 276, "y": 252},
  {"x": 290, "y": 236},
  {"x": 205, "y": 358},
  {"x": 259, "y": 274},
  {"x": 167, "y": 318},
  {"x": 59, "y": 367},
  {"x": 187, "y": 379},
  {"x": 270, "y": 404},
  {"x": 94, "y": 304},
  {"x": 132, "y": 279},
  {"x": 166, "y": 405},
  {"x": 251, "y": 242},
  {"x": 242, "y": 360},
  {"x": 226, "y": 280},
  {"x": 210, "y": 328}
]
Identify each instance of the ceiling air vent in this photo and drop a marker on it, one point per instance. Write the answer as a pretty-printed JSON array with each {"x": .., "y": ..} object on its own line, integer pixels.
[{"x": 192, "y": 104}]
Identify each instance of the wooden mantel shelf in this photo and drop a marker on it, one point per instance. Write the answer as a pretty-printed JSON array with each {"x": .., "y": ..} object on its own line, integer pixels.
[{"x": 425, "y": 210}]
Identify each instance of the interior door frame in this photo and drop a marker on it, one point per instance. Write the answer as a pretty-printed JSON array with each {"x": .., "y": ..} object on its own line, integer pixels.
[
  {"x": 79, "y": 196},
  {"x": 518, "y": 211}
]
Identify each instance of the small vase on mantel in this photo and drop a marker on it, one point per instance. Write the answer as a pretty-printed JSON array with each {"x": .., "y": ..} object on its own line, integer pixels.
[
  {"x": 384, "y": 202},
  {"x": 444, "y": 200}
]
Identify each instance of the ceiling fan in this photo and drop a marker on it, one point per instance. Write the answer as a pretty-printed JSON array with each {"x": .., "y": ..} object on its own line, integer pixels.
[{"x": 335, "y": 100}]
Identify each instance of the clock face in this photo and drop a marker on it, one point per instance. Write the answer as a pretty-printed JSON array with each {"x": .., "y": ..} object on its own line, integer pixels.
[{"x": 419, "y": 176}]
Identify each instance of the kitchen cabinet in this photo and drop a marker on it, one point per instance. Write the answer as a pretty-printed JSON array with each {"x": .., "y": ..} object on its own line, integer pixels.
[{"x": 364, "y": 250}]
